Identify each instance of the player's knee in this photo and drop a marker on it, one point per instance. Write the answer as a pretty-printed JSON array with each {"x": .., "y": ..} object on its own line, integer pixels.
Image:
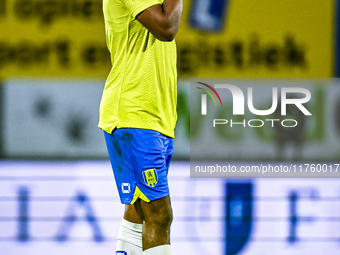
[
  {"x": 162, "y": 217},
  {"x": 167, "y": 217}
]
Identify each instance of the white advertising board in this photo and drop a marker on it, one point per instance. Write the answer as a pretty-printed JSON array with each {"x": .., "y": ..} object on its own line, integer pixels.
[{"x": 73, "y": 208}]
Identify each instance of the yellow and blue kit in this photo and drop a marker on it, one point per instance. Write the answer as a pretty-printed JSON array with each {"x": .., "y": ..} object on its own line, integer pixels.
[
  {"x": 140, "y": 160},
  {"x": 138, "y": 106}
]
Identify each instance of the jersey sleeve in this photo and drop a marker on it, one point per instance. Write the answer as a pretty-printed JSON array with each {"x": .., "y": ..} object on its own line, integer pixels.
[{"x": 137, "y": 6}]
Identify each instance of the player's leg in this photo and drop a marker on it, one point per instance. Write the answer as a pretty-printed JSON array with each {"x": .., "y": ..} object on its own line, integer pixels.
[
  {"x": 147, "y": 155},
  {"x": 151, "y": 169},
  {"x": 129, "y": 239},
  {"x": 157, "y": 218},
  {"x": 133, "y": 213}
]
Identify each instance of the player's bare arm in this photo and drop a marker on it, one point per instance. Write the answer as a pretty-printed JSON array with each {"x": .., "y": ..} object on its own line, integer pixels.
[{"x": 162, "y": 20}]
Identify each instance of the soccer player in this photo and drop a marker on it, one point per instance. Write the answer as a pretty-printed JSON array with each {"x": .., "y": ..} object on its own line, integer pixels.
[{"x": 138, "y": 116}]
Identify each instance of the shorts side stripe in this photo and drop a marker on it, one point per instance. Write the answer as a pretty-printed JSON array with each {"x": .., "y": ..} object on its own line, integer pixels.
[{"x": 139, "y": 194}]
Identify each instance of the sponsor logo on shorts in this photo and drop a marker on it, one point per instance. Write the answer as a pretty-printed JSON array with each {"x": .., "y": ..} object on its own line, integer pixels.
[
  {"x": 126, "y": 188},
  {"x": 150, "y": 177}
]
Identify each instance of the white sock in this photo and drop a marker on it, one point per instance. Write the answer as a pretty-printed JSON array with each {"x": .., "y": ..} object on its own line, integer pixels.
[
  {"x": 159, "y": 250},
  {"x": 129, "y": 240}
]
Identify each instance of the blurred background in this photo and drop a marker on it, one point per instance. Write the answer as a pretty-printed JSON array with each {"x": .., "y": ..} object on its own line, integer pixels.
[{"x": 57, "y": 192}]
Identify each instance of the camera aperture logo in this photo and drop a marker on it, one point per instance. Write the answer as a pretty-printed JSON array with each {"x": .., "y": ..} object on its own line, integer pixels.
[
  {"x": 204, "y": 97},
  {"x": 238, "y": 103}
]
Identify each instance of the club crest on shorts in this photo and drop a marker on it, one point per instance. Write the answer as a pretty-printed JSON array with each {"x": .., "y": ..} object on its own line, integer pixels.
[{"x": 150, "y": 177}]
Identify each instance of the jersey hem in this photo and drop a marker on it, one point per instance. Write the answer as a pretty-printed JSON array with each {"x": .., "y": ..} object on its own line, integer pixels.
[{"x": 110, "y": 128}]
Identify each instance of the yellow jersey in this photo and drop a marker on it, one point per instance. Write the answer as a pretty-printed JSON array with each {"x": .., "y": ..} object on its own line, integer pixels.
[{"x": 141, "y": 88}]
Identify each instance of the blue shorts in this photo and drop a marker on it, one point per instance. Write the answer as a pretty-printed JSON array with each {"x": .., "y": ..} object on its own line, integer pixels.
[{"x": 140, "y": 160}]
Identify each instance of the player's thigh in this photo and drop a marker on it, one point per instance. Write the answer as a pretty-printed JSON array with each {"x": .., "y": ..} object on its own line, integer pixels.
[{"x": 151, "y": 152}]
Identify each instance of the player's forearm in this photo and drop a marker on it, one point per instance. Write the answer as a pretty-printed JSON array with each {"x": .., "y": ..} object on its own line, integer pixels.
[
  {"x": 162, "y": 20},
  {"x": 172, "y": 11}
]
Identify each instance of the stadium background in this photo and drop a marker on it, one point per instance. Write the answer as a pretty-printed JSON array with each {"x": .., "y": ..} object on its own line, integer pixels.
[{"x": 57, "y": 194}]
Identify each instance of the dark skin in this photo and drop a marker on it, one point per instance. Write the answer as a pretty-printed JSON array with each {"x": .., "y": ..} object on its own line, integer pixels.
[
  {"x": 156, "y": 216},
  {"x": 162, "y": 20}
]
